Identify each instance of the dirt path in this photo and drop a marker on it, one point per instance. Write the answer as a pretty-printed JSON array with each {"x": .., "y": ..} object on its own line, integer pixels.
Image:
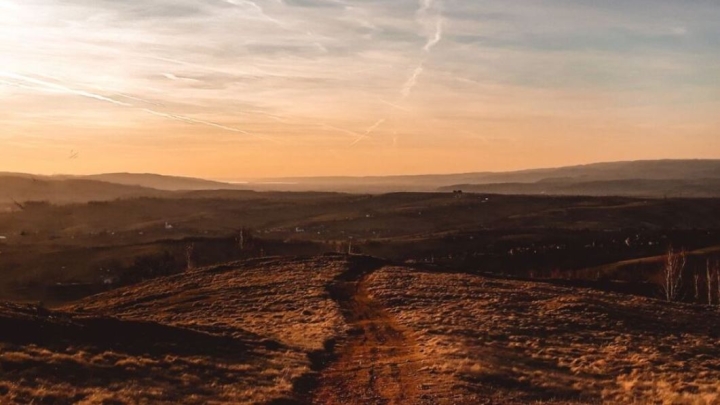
[{"x": 378, "y": 363}]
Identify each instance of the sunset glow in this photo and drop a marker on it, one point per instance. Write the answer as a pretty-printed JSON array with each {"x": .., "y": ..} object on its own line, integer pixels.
[{"x": 235, "y": 89}]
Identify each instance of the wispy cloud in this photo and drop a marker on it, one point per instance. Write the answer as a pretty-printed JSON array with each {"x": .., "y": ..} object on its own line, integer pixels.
[
  {"x": 424, "y": 17},
  {"x": 412, "y": 81},
  {"x": 177, "y": 117},
  {"x": 432, "y": 41},
  {"x": 368, "y": 131},
  {"x": 278, "y": 69},
  {"x": 61, "y": 88}
]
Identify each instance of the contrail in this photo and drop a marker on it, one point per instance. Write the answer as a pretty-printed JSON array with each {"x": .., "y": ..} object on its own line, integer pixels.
[
  {"x": 432, "y": 40},
  {"x": 374, "y": 126},
  {"x": 393, "y": 105},
  {"x": 129, "y": 97},
  {"x": 203, "y": 122},
  {"x": 260, "y": 12},
  {"x": 258, "y": 72},
  {"x": 182, "y": 118},
  {"x": 190, "y": 120},
  {"x": 22, "y": 86},
  {"x": 368, "y": 131},
  {"x": 63, "y": 88},
  {"x": 103, "y": 89},
  {"x": 343, "y": 130},
  {"x": 424, "y": 6},
  {"x": 412, "y": 81},
  {"x": 437, "y": 37}
]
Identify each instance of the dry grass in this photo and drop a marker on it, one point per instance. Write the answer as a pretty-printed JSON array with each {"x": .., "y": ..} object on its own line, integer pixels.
[
  {"x": 240, "y": 333},
  {"x": 280, "y": 299},
  {"x": 519, "y": 342},
  {"x": 258, "y": 331}
]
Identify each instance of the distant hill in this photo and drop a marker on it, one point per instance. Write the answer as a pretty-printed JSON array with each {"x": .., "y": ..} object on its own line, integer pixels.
[
  {"x": 701, "y": 188},
  {"x": 23, "y": 188},
  {"x": 651, "y": 178},
  {"x": 643, "y": 169},
  {"x": 691, "y": 178},
  {"x": 161, "y": 182}
]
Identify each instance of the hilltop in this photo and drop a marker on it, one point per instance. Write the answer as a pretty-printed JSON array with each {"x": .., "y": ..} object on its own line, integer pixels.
[
  {"x": 339, "y": 329},
  {"x": 17, "y": 189}
]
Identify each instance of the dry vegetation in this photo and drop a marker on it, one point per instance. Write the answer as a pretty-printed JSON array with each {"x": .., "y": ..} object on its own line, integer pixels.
[
  {"x": 241, "y": 333},
  {"x": 353, "y": 329},
  {"x": 520, "y": 342},
  {"x": 58, "y": 253}
]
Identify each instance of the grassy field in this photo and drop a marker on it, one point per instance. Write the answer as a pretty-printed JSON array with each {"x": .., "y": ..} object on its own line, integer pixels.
[
  {"x": 57, "y": 253},
  {"x": 341, "y": 329},
  {"x": 504, "y": 341},
  {"x": 239, "y": 333}
]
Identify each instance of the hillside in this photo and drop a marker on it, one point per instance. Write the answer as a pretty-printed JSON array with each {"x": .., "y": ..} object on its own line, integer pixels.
[
  {"x": 160, "y": 182},
  {"x": 22, "y": 188},
  {"x": 47, "y": 250},
  {"x": 339, "y": 329},
  {"x": 651, "y": 188},
  {"x": 693, "y": 177},
  {"x": 652, "y": 178},
  {"x": 240, "y": 333}
]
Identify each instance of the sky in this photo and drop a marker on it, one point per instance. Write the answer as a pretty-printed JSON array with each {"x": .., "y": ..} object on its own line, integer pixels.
[{"x": 238, "y": 89}]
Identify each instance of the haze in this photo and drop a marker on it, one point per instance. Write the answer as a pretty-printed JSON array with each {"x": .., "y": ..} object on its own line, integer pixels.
[{"x": 239, "y": 88}]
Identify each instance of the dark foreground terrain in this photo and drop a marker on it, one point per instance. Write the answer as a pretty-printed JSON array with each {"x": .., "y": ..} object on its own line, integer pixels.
[
  {"x": 354, "y": 329},
  {"x": 57, "y": 253}
]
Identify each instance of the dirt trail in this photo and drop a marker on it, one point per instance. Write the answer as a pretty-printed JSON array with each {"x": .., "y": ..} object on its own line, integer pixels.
[{"x": 378, "y": 363}]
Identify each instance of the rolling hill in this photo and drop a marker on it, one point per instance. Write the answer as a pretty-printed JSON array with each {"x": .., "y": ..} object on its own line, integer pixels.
[
  {"x": 22, "y": 188},
  {"x": 341, "y": 329},
  {"x": 160, "y": 182},
  {"x": 652, "y": 188},
  {"x": 653, "y": 178}
]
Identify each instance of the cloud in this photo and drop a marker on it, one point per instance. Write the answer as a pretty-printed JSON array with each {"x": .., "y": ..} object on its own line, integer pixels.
[
  {"x": 432, "y": 41},
  {"x": 61, "y": 88},
  {"x": 412, "y": 81},
  {"x": 368, "y": 131},
  {"x": 283, "y": 67},
  {"x": 42, "y": 84}
]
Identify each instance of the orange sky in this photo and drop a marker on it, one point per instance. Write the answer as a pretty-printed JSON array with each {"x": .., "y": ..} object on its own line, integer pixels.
[{"x": 238, "y": 89}]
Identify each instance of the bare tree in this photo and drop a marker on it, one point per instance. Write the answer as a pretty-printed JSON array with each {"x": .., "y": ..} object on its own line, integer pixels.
[
  {"x": 716, "y": 270},
  {"x": 696, "y": 277},
  {"x": 717, "y": 277},
  {"x": 672, "y": 274},
  {"x": 189, "y": 250},
  {"x": 241, "y": 239},
  {"x": 709, "y": 277}
]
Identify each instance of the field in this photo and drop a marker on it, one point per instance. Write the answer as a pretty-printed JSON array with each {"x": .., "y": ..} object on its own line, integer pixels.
[
  {"x": 57, "y": 253},
  {"x": 505, "y": 341},
  {"x": 407, "y": 298},
  {"x": 241, "y": 332},
  {"x": 339, "y": 329}
]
